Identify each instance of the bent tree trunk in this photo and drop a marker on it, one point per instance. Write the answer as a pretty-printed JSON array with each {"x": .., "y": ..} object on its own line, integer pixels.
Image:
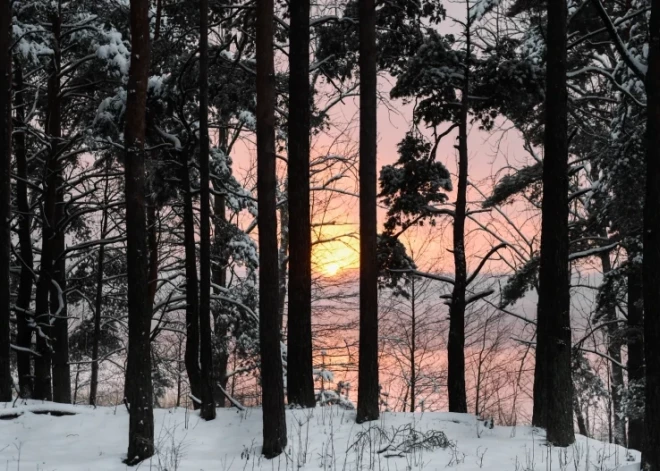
[
  {"x": 272, "y": 385},
  {"x": 368, "y": 387},
  {"x": 138, "y": 369},
  {"x": 553, "y": 385},
  {"x": 5, "y": 193}
]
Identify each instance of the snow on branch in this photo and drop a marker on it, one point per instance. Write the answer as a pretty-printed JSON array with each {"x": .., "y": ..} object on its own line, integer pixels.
[
  {"x": 592, "y": 251},
  {"x": 635, "y": 66},
  {"x": 430, "y": 276}
]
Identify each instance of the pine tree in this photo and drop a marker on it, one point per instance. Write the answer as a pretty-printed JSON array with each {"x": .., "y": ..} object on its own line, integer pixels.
[
  {"x": 300, "y": 383},
  {"x": 192, "y": 286},
  {"x": 206, "y": 356},
  {"x": 368, "y": 385},
  {"x": 138, "y": 370},
  {"x": 651, "y": 264},
  {"x": 24, "y": 296},
  {"x": 272, "y": 384},
  {"x": 553, "y": 386},
  {"x": 5, "y": 190}
]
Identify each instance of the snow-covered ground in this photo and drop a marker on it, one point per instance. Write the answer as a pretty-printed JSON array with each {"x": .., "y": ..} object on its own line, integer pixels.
[{"x": 325, "y": 438}]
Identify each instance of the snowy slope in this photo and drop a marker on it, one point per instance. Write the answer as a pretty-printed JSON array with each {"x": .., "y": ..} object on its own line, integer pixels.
[{"x": 321, "y": 439}]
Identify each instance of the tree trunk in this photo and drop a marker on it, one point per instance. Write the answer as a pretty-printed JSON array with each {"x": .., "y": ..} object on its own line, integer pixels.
[
  {"x": 456, "y": 341},
  {"x": 5, "y": 197},
  {"x": 413, "y": 348},
  {"x": 58, "y": 309},
  {"x": 42, "y": 363},
  {"x": 272, "y": 385},
  {"x": 368, "y": 386},
  {"x": 98, "y": 305},
  {"x": 219, "y": 275},
  {"x": 283, "y": 260},
  {"x": 616, "y": 372},
  {"x": 138, "y": 370},
  {"x": 651, "y": 264},
  {"x": 206, "y": 349},
  {"x": 192, "y": 288},
  {"x": 24, "y": 331},
  {"x": 48, "y": 343},
  {"x": 553, "y": 388},
  {"x": 581, "y": 423},
  {"x": 635, "y": 339},
  {"x": 300, "y": 380},
  {"x": 61, "y": 377},
  {"x": 152, "y": 238}
]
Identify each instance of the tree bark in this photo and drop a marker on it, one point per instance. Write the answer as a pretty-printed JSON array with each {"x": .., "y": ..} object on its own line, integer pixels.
[
  {"x": 5, "y": 197},
  {"x": 553, "y": 388},
  {"x": 219, "y": 275},
  {"x": 152, "y": 241},
  {"x": 24, "y": 331},
  {"x": 635, "y": 339},
  {"x": 616, "y": 372},
  {"x": 206, "y": 350},
  {"x": 368, "y": 386},
  {"x": 300, "y": 380},
  {"x": 651, "y": 264},
  {"x": 48, "y": 345},
  {"x": 98, "y": 304},
  {"x": 272, "y": 385},
  {"x": 413, "y": 348},
  {"x": 58, "y": 307},
  {"x": 456, "y": 341},
  {"x": 42, "y": 363},
  {"x": 581, "y": 423},
  {"x": 283, "y": 259},
  {"x": 138, "y": 370},
  {"x": 192, "y": 289}
]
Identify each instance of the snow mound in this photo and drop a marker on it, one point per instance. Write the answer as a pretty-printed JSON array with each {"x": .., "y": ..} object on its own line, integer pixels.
[{"x": 325, "y": 438}]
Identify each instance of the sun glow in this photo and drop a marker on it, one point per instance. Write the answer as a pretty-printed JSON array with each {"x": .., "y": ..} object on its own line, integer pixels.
[
  {"x": 337, "y": 254},
  {"x": 331, "y": 269}
]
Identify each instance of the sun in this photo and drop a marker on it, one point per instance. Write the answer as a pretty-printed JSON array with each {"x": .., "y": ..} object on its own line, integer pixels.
[
  {"x": 337, "y": 254},
  {"x": 331, "y": 269},
  {"x": 334, "y": 258}
]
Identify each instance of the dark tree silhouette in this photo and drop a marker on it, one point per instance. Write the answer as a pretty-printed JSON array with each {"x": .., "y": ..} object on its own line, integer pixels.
[
  {"x": 23, "y": 320},
  {"x": 635, "y": 341},
  {"x": 300, "y": 381},
  {"x": 138, "y": 370},
  {"x": 456, "y": 342},
  {"x": 206, "y": 351},
  {"x": 50, "y": 239},
  {"x": 192, "y": 286},
  {"x": 651, "y": 264},
  {"x": 368, "y": 387},
  {"x": 5, "y": 190},
  {"x": 98, "y": 302},
  {"x": 272, "y": 384},
  {"x": 553, "y": 385}
]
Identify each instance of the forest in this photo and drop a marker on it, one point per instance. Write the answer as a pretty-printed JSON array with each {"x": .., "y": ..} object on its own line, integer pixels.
[{"x": 218, "y": 208}]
